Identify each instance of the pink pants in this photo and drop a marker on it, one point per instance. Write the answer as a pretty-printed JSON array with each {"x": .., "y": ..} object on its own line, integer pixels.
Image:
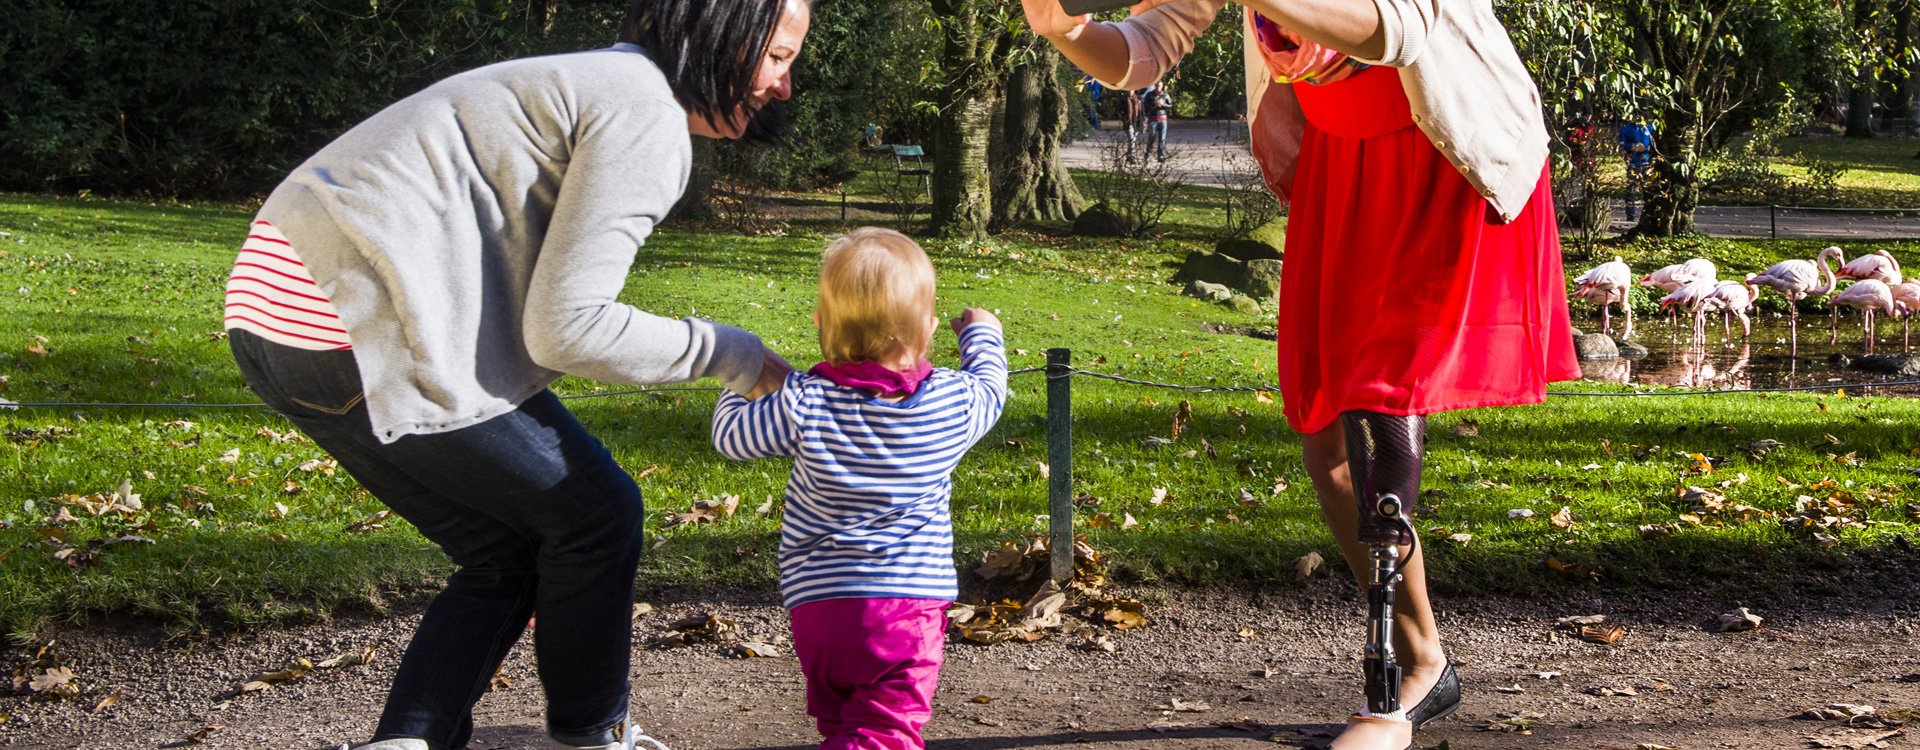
[{"x": 872, "y": 666}]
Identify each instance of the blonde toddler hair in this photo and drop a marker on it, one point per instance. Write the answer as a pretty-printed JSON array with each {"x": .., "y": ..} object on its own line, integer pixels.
[{"x": 876, "y": 297}]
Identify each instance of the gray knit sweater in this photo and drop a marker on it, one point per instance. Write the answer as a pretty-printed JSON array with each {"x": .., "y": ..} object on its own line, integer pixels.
[{"x": 474, "y": 236}]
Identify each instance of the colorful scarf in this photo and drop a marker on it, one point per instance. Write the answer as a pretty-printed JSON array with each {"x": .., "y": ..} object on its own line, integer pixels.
[
  {"x": 1291, "y": 57},
  {"x": 869, "y": 375}
]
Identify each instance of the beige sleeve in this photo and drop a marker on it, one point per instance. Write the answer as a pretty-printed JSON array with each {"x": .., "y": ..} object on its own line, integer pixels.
[
  {"x": 1159, "y": 37},
  {"x": 1406, "y": 24}
]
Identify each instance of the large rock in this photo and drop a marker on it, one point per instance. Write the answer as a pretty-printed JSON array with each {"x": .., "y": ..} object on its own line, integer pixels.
[
  {"x": 1595, "y": 346},
  {"x": 1263, "y": 279},
  {"x": 1208, "y": 291},
  {"x": 1900, "y": 365},
  {"x": 1630, "y": 350},
  {"x": 1100, "y": 220},
  {"x": 1265, "y": 242},
  {"x": 1259, "y": 279},
  {"x": 1244, "y": 305}
]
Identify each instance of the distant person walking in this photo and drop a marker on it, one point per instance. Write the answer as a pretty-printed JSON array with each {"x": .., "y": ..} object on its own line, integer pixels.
[
  {"x": 1156, "y": 104},
  {"x": 1636, "y": 146},
  {"x": 1094, "y": 90},
  {"x": 1134, "y": 120}
]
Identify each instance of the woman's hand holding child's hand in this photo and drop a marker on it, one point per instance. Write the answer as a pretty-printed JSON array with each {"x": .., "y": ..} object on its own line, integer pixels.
[
  {"x": 773, "y": 374},
  {"x": 971, "y": 316}
]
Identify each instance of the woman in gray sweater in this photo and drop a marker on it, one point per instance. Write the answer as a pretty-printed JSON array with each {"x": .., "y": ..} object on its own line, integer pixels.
[{"x": 408, "y": 293}]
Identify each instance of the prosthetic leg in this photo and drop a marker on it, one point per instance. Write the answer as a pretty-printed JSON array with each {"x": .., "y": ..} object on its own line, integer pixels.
[{"x": 1383, "y": 458}]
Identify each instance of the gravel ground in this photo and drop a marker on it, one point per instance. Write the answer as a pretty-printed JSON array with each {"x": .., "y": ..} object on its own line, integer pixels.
[{"x": 1282, "y": 683}]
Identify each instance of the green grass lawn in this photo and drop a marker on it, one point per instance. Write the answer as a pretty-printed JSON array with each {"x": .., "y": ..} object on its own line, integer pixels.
[
  {"x": 240, "y": 522},
  {"x": 1881, "y": 172}
]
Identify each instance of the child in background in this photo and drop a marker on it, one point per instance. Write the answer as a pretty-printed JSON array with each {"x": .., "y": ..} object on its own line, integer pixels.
[{"x": 866, "y": 544}]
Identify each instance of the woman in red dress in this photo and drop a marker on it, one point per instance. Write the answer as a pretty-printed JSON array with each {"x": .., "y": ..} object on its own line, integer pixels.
[{"x": 1422, "y": 271}]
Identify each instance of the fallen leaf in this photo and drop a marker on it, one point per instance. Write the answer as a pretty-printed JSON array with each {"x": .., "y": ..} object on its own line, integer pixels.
[
  {"x": 1306, "y": 565},
  {"x": 1519, "y": 513},
  {"x": 106, "y": 703},
  {"x": 372, "y": 522},
  {"x": 199, "y": 736},
  {"x": 232, "y": 455},
  {"x": 1046, "y": 472},
  {"x": 750, "y": 649},
  {"x": 1562, "y": 520},
  {"x": 1159, "y": 496},
  {"x": 1739, "y": 620},
  {"x": 1189, "y": 707},
  {"x": 57, "y": 681},
  {"x": 1521, "y": 723},
  {"x": 1607, "y": 634},
  {"x": 1510, "y": 689},
  {"x": 1181, "y": 415}
]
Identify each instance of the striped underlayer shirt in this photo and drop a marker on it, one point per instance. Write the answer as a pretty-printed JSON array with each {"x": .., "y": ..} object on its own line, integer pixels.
[
  {"x": 867, "y": 503},
  {"x": 271, "y": 295}
]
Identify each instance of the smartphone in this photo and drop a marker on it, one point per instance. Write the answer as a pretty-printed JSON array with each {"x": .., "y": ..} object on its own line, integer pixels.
[{"x": 1083, "y": 7}]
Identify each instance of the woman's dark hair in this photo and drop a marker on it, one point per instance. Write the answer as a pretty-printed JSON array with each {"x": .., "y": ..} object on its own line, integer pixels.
[{"x": 709, "y": 49}]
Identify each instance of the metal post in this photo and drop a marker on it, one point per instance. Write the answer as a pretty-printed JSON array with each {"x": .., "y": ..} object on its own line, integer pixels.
[
  {"x": 1060, "y": 463},
  {"x": 1773, "y": 222}
]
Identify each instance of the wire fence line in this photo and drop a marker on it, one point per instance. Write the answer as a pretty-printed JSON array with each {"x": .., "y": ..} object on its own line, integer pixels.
[{"x": 1064, "y": 373}]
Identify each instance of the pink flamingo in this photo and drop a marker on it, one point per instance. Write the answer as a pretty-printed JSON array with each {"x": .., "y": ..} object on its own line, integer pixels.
[
  {"x": 1670, "y": 278},
  {"x": 1690, "y": 298},
  {"x": 1604, "y": 285},
  {"x": 1907, "y": 294},
  {"x": 1869, "y": 295},
  {"x": 1879, "y": 266},
  {"x": 1730, "y": 299},
  {"x": 1797, "y": 280}
]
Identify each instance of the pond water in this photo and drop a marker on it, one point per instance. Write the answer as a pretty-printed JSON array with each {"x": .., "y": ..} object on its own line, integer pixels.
[{"x": 1764, "y": 360}]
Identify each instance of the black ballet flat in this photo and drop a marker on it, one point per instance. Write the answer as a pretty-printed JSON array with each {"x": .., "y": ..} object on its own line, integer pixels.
[{"x": 1441, "y": 701}]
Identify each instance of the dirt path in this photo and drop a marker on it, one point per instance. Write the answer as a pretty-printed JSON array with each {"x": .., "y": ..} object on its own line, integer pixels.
[
  {"x": 1277, "y": 687},
  {"x": 1210, "y": 151}
]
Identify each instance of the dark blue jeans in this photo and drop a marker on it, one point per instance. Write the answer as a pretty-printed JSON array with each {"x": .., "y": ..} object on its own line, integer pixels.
[{"x": 533, "y": 510}]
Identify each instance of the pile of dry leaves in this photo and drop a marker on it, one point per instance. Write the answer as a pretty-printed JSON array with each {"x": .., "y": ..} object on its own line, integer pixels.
[{"x": 1049, "y": 611}]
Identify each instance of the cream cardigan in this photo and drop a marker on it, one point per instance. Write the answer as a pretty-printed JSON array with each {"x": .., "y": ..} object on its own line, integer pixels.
[{"x": 1469, "y": 91}]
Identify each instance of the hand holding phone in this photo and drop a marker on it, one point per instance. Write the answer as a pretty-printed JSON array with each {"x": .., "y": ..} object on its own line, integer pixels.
[{"x": 1083, "y": 7}]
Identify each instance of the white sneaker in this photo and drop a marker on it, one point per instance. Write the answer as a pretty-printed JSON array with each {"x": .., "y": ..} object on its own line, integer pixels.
[
  {"x": 404, "y": 743},
  {"x": 629, "y": 738}
]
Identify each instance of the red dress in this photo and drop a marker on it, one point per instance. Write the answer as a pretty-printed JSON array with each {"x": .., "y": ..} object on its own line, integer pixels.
[{"x": 1401, "y": 292}]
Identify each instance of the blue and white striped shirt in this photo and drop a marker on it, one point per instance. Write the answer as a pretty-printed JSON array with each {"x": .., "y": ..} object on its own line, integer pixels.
[{"x": 867, "y": 512}]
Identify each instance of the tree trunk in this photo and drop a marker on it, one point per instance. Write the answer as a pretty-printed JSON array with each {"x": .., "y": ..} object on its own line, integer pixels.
[
  {"x": 973, "y": 57},
  {"x": 1675, "y": 188},
  {"x": 1029, "y": 181},
  {"x": 1860, "y": 98},
  {"x": 1903, "y": 72}
]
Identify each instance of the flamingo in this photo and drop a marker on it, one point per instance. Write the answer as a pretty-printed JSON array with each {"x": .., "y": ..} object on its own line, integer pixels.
[
  {"x": 1879, "y": 266},
  {"x": 1689, "y": 298},
  {"x": 1907, "y": 293},
  {"x": 1868, "y": 295},
  {"x": 1670, "y": 278},
  {"x": 1729, "y": 298},
  {"x": 1604, "y": 285},
  {"x": 1796, "y": 280}
]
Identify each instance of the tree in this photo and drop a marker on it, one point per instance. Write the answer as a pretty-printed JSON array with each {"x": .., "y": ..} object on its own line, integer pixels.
[
  {"x": 1860, "y": 97},
  {"x": 1029, "y": 181},
  {"x": 976, "y": 37}
]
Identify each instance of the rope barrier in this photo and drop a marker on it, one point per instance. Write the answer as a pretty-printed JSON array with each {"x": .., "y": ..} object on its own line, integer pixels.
[{"x": 1069, "y": 372}]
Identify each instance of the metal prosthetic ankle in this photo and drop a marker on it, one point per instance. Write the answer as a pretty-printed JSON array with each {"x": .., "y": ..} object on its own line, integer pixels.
[{"x": 1383, "y": 458}]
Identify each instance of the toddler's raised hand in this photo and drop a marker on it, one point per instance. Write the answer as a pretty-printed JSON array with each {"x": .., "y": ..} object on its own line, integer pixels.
[{"x": 974, "y": 315}]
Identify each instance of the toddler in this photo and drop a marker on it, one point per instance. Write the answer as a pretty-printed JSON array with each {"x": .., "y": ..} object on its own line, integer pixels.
[{"x": 866, "y": 543}]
